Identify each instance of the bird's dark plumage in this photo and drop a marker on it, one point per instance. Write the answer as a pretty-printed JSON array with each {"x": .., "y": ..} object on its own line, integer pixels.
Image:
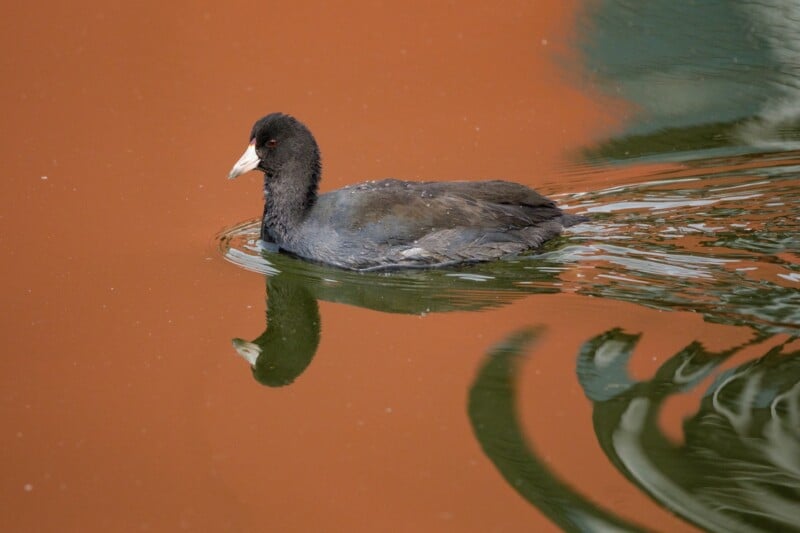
[{"x": 388, "y": 223}]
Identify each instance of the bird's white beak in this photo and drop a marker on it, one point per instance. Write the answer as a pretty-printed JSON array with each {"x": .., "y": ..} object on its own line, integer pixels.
[
  {"x": 248, "y": 350},
  {"x": 249, "y": 161}
]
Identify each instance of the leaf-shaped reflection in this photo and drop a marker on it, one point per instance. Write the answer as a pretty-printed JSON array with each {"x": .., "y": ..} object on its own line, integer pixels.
[{"x": 492, "y": 412}]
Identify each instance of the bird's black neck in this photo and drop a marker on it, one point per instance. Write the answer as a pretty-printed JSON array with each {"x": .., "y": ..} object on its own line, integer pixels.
[{"x": 289, "y": 193}]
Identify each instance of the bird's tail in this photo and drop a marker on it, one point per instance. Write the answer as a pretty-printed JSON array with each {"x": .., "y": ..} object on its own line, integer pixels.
[{"x": 568, "y": 219}]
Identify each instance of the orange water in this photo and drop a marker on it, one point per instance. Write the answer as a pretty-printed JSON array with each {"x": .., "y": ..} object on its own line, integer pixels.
[{"x": 124, "y": 406}]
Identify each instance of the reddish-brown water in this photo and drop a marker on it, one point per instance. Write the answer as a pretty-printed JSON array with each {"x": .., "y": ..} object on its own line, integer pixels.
[{"x": 124, "y": 407}]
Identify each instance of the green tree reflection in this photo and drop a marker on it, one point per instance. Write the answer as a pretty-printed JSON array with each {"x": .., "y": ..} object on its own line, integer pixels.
[{"x": 738, "y": 470}]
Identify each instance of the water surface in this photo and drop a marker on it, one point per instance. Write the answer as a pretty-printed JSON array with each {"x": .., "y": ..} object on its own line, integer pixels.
[
  {"x": 637, "y": 373},
  {"x": 717, "y": 237}
]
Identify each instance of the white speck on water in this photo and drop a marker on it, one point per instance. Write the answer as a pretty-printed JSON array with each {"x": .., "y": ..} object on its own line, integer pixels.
[
  {"x": 388, "y": 410},
  {"x": 27, "y": 487},
  {"x": 544, "y": 42},
  {"x": 43, "y": 178}
]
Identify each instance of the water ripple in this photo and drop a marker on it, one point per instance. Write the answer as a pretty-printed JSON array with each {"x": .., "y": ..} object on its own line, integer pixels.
[{"x": 715, "y": 236}]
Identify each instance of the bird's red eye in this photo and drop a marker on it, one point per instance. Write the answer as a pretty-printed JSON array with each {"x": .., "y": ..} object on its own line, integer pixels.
[{"x": 272, "y": 143}]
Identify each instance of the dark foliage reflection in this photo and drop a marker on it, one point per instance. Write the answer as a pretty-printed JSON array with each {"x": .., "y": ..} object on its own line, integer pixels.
[{"x": 738, "y": 470}]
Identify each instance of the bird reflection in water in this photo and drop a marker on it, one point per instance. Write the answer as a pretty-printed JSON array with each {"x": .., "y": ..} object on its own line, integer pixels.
[
  {"x": 287, "y": 346},
  {"x": 289, "y": 343}
]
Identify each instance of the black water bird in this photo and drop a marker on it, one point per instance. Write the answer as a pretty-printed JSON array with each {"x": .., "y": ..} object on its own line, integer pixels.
[{"x": 389, "y": 223}]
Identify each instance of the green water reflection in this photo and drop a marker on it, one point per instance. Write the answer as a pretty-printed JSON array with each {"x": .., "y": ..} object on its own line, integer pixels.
[
  {"x": 283, "y": 351},
  {"x": 739, "y": 469},
  {"x": 493, "y": 414},
  {"x": 695, "y": 75}
]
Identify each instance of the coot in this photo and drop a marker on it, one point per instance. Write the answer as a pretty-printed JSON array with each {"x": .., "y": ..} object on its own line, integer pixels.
[{"x": 389, "y": 223}]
